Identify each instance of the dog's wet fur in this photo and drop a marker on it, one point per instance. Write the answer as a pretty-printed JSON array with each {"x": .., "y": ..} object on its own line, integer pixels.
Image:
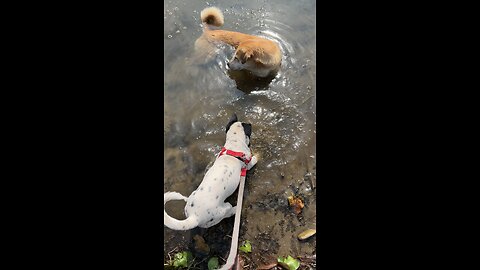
[{"x": 261, "y": 56}]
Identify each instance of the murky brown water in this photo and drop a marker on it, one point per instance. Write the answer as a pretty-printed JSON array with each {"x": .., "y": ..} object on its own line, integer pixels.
[{"x": 201, "y": 95}]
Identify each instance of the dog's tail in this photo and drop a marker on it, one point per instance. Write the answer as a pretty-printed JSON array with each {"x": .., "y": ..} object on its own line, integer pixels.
[
  {"x": 175, "y": 224},
  {"x": 211, "y": 16}
]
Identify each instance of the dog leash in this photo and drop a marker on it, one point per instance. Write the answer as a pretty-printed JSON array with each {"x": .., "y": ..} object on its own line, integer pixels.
[{"x": 236, "y": 228}]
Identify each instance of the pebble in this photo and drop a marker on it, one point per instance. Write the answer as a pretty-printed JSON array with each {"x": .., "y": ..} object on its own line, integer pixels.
[
  {"x": 200, "y": 245},
  {"x": 306, "y": 234}
]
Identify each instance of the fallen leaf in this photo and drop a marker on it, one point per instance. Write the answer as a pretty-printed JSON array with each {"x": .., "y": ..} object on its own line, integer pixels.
[
  {"x": 213, "y": 263},
  {"x": 182, "y": 259},
  {"x": 296, "y": 203},
  {"x": 247, "y": 247},
  {"x": 289, "y": 263}
]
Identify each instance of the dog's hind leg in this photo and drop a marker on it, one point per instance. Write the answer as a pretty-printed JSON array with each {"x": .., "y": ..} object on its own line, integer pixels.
[{"x": 229, "y": 210}]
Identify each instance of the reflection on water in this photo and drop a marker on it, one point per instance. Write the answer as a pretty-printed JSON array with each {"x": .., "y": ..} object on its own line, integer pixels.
[{"x": 201, "y": 93}]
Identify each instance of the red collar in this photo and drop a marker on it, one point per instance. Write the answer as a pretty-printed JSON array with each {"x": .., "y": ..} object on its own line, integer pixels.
[{"x": 240, "y": 155}]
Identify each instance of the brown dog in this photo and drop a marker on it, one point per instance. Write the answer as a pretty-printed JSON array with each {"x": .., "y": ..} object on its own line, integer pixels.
[{"x": 259, "y": 55}]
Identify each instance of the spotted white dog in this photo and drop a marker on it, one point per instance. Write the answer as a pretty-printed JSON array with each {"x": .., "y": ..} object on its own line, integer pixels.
[{"x": 206, "y": 206}]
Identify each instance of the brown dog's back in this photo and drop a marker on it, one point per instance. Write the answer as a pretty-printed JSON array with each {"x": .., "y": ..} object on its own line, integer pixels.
[{"x": 253, "y": 53}]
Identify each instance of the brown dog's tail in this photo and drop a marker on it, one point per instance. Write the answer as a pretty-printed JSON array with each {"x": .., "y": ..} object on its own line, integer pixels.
[{"x": 211, "y": 16}]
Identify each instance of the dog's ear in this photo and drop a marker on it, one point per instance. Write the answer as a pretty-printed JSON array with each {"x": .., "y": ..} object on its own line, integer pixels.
[
  {"x": 247, "y": 128},
  {"x": 246, "y": 56},
  {"x": 232, "y": 120},
  {"x": 241, "y": 57}
]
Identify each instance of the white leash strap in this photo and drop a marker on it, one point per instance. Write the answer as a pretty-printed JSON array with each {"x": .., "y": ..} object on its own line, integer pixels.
[{"x": 236, "y": 228}]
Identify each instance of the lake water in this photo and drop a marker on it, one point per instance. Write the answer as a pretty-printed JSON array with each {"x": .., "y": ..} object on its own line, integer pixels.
[{"x": 200, "y": 95}]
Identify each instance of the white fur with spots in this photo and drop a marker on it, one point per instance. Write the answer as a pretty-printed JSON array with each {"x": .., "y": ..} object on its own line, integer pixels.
[{"x": 206, "y": 206}]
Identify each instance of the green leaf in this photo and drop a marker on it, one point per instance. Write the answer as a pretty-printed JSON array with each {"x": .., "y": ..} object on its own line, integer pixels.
[
  {"x": 213, "y": 263},
  {"x": 289, "y": 262},
  {"x": 182, "y": 259},
  {"x": 247, "y": 247}
]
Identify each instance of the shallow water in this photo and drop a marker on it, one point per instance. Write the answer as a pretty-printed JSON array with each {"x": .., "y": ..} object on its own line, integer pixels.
[{"x": 200, "y": 96}]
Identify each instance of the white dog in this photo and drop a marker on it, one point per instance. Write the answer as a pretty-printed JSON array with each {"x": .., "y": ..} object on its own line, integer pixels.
[{"x": 205, "y": 206}]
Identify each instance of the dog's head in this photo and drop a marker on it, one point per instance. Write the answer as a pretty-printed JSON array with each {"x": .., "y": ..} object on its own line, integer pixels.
[
  {"x": 242, "y": 59},
  {"x": 238, "y": 129},
  {"x": 257, "y": 60}
]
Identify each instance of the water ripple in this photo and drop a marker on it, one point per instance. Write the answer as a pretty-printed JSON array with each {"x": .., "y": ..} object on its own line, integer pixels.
[{"x": 201, "y": 94}]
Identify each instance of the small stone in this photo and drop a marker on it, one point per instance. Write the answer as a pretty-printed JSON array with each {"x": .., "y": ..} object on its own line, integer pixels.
[
  {"x": 306, "y": 234},
  {"x": 200, "y": 245}
]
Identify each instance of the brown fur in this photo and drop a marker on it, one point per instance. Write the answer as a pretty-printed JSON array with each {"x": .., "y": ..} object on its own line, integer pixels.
[{"x": 256, "y": 54}]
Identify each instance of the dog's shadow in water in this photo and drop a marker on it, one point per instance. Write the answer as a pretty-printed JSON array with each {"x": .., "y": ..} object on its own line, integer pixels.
[
  {"x": 205, "y": 52},
  {"x": 247, "y": 82}
]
